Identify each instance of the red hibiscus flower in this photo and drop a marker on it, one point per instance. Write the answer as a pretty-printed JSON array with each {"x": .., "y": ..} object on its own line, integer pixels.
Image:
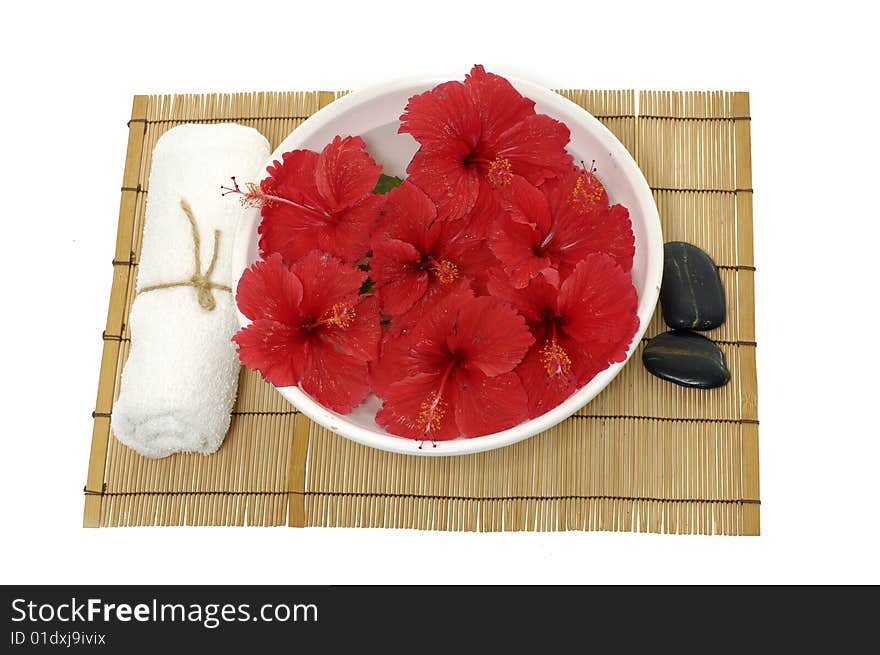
[
  {"x": 455, "y": 371},
  {"x": 581, "y": 328},
  {"x": 320, "y": 201},
  {"x": 548, "y": 230},
  {"x": 310, "y": 327},
  {"x": 478, "y": 133},
  {"x": 415, "y": 257}
]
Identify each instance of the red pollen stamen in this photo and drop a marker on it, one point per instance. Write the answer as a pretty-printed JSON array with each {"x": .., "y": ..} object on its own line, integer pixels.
[
  {"x": 500, "y": 171},
  {"x": 446, "y": 271},
  {"x": 256, "y": 197},
  {"x": 433, "y": 408},
  {"x": 592, "y": 167},
  {"x": 342, "y": 315},
  {"x": 587, "y": 190},
  {"x": 557, "y": 363}
]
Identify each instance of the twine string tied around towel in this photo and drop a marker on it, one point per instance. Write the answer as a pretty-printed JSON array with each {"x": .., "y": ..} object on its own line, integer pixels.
[{"x": 202, "y": 283}]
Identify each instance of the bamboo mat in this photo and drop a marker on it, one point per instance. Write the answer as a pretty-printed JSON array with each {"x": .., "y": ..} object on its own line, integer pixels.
[{"x": 644, "y": 456}]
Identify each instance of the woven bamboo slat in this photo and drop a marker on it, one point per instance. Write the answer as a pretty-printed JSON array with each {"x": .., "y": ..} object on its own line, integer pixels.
[{"x": 644, "y": 456}]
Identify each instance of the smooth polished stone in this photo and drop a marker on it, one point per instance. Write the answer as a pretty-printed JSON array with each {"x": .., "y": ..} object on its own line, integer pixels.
[
  {"x": 691, "y": 295},
  {"x": 685, "y": 358}
]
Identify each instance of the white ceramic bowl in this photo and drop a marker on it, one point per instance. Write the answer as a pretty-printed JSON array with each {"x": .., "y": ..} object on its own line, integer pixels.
[{"x": 373, "y": 113}]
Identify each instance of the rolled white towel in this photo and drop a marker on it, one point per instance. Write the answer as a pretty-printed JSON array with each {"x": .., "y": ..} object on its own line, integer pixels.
[{"x": 180, "y": 380}]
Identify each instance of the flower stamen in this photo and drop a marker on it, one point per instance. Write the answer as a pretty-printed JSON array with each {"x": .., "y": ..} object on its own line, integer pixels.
[
  {"x": 557, "y": 363},
  {"x": 342, "y": 315},
  {"x": 446, "y": 271},
  {"x": 500, "y": 172},
  {"x": 587, "y": 190},
  {"x": 432, "y": 411},
  {"x": 255, "y": 196}
]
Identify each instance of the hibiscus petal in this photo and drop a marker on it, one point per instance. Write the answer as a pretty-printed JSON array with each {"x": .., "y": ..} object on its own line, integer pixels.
[
  {"x": 489, "y": 336},
  {"x": 349, "y": 236},
  {"x": 590, "y": 357},
  {"x": 421, "y": 346},
  {"x": 326, "y": 281},
  {"x": 414, "y": 407},
  {"x": 440, "y": 115},
  {"x": 287, "y": 231},
  {"x": 535, "y": 302},
  {"x": 399, "y": 282},
  {"x": 545, "y": 390},
  {"x": 417, "y": 341},
  {"x": 579, "y": 231},
  {"x": 598, "y": 303},
  {"x": 393, "y": 364},
  {"x": 360, "y": 338},
  {"x": 612, "y": 234},
  {"x": 536, "y": 148},
  {"x": 440, "y": 172},
  {"x": 485, "y": 212},
  {"x": 345, "y": 173},
  {"x": 436, "y": 296},
  {"x": 293, "y": 177},
  {"x": 408, "y": 214},
  {"x": 514, "y": 244},
  {"x": 334, "y": 379},
  {"x": 525, "y": 203},
  {"x": 276, "y": 350},
  {"x": 497, "y": 103},
  {"x": 474, "y": 260},
  {"x": 485, "y": 405},
  {"x": 429, "y": 350},
  {"x": 269, "y": 290}
]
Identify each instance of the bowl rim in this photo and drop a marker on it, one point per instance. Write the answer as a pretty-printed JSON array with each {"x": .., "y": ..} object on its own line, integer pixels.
[{"x": 532, "y": 427}]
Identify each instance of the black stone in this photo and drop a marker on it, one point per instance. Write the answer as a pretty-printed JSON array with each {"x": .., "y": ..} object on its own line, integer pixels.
[
  {"x": 691, "y": 296},
  {"x": 685, "y": 358}
]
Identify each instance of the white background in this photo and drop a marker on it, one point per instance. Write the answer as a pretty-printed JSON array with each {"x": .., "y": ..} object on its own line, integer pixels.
[{"x": 69, "y": 72}]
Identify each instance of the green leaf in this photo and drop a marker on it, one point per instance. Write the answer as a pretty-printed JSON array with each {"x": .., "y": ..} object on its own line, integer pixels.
[
  {"x": 366, "y": 287},
  {"x": 386, "y": 183}
]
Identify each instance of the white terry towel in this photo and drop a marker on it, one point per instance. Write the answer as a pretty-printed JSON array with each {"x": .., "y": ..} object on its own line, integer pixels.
[{"x": 180, "y": 380}]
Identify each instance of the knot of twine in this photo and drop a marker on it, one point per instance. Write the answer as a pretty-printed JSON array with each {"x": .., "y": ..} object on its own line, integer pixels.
[{"x": 202, "y": 283}]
